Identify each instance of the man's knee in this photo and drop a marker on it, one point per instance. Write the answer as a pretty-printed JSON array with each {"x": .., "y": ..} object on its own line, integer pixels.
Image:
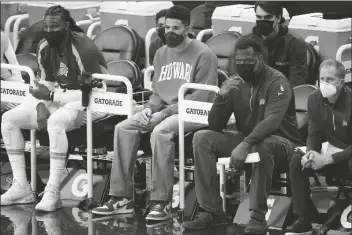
[
  {"x": 201, "y": 138},
  {"x": 55, "y": 125}
]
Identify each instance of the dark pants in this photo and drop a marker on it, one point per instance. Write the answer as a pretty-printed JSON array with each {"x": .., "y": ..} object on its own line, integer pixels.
[
  {"x": 302, "y": 204},
  {"x": 210, "y": 145}
]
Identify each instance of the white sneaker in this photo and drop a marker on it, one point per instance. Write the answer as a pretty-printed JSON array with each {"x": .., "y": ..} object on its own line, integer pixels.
[
  {"x": 17, "y": 194},
  {"x": 51, "y": 200}
]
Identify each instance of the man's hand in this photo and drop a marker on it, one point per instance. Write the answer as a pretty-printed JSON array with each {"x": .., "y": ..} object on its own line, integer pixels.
[
  {"x": 42, "y": 116},
  {"x": 40, "y": 91},
  {"x": 306, "y": 160},
  {"x": 319, "y": 161},
  {"x": 239, "y": 155},
  {"x": 229, "y": 84},
  {"x": 157, "y": 118},
  {"x": 146, "y": 114}
]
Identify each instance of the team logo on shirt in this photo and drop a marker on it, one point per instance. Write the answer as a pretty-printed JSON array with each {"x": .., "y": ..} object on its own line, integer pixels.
[
  {"x": 344, "y": 123},
  {"x": 262, "y": 102},
  {"x": 281, "y": 90},
  {"x": 175, "y": 70},
  {"x": 63, "y": 70}
]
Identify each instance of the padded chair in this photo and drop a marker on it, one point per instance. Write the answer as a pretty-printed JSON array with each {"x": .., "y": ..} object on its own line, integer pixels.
[
  {"x": 223, "y": 45},
  {"x": 197, "y": 21},
  {"x": 120, "y": 42},
  {"x": 30, "y": 38}
]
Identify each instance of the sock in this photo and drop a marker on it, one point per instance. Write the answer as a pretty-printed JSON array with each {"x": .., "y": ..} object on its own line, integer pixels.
[
  {"x": 18, "y": 165},
  {"x": 58, "y": 152}
]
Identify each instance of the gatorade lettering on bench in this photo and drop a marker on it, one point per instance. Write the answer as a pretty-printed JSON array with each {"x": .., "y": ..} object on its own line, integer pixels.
[
  {"x": 198, "y": 111},
  {"x": 7, "y": 91},
  {"x": 108, "y": 102}
]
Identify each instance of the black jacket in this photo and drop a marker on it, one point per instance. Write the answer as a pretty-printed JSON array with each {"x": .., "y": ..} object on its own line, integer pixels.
[
  {"x": 332, "y": 123},
  {"x": 287, "y": 54},
  {"x": 260, "y": 111}
]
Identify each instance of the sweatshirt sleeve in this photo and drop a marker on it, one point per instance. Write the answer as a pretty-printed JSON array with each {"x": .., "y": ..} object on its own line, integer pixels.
[
  {"x": 279, "y": 97},
  {"x": 155, "y": 103},
  {"x": 205, "y": 73},
  {"x": 343, "y": 156},
  {"x": 298, "y": 63},
  {"x": 315, "y": 134}
]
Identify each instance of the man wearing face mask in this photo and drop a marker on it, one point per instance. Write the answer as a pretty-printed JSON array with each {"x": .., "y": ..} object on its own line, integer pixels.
[
  {"x": 282, "y": 50},
  {"x": 160, "y": 40},
  {"x": 55, "y": 105},
  {"x": 330, "y": 119},
  {"x": 262, "y": 101},
  {"x": 182, "y": 60}
]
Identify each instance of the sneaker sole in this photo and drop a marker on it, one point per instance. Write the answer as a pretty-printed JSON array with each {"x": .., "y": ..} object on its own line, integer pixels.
[
  {"x": 56, "y": 207},
  {"x": 130, "y": 211},
  {"x": 303, "y": 233},
  {"x": 22, "y": 201},
  {"x": 158, "y": 219}
]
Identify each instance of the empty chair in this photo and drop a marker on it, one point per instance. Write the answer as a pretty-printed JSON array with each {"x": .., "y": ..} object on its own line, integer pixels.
[
  {"x": 223, "y": 45},
  {"x": 120, "y": 43}
]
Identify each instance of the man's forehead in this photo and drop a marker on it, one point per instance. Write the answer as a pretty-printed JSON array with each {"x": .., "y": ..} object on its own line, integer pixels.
[
  {"x": 244, "y": 53},
  {"x": 52, "y": 19},
  {"x": 173, "y": 22},
  {"x": 328, "y": 71}
]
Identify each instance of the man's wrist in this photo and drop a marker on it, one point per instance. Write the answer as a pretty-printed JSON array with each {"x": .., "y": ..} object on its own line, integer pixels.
[
  {"x": 248, "y": 146},
  {"x": 221, "y": 95}
]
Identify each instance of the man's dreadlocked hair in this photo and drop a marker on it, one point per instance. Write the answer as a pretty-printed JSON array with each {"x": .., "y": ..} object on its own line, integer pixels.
[{"x": 65, "y": 15}]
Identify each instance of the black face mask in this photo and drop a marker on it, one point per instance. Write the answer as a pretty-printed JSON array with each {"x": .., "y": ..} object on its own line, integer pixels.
[
  {"x": 246, "y": 72},
  {"x": 173, "y": 40},
  {"x": 265, "y": 27},
  {"x": 55, "y": 38},
  {"x": 161, "y": 34}
]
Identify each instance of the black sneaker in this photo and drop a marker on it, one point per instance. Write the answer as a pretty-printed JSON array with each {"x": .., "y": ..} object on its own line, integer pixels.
[
  {"x": 160, "y": 227},
  {"x": 203, "y": 220},
  {"x": 255, "y": 227},
  {"x": 161, "y": 210},
  {"x": 300, "y": 227},
  {"x": 115, "y": 206}
]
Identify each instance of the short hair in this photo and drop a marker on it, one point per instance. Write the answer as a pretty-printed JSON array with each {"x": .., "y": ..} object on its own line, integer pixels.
[
  {"x": 246, "y": 42},
  {"x": 181, "y": 13},
  {"x": 340, "y": 69},
  {"x": 58, "y": 10},
  {"x": 272, "y": 7},
  {"x": 160, "y": 14}
]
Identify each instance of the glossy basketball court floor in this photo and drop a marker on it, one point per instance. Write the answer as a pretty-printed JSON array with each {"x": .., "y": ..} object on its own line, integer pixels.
[{"x": 23, "y": 220}]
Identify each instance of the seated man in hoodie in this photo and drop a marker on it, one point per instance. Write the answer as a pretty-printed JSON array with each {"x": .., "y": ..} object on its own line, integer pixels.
[
  {"x": 282, "y": 50},
  {"x": 262, "y": 100},
  {"x": 182, "y": 60}
]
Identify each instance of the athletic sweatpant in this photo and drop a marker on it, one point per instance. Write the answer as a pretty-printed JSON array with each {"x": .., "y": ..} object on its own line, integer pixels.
[{"x": 126, "y": 144}]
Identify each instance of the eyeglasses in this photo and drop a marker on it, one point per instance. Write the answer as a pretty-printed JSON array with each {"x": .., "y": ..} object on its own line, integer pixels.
[{"x": 245, "y": 61}]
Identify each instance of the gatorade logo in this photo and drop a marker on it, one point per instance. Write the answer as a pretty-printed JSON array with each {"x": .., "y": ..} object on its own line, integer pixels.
[
  {"x": 348, "y": 71},
  {"x": 197, "y": 111},
  {"x": 108, "y": 102},
  {"x": 79, "y": 186},
  {"x": 346, "y": 218},
  {"x": 7, "y": 91}
]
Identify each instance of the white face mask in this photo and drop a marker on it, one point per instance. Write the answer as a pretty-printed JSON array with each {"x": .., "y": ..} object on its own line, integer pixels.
[{"x": 327, "y": 90}]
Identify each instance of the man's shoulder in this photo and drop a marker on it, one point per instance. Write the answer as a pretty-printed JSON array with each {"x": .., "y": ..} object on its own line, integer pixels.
[{"x": 82, "y": 43}]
